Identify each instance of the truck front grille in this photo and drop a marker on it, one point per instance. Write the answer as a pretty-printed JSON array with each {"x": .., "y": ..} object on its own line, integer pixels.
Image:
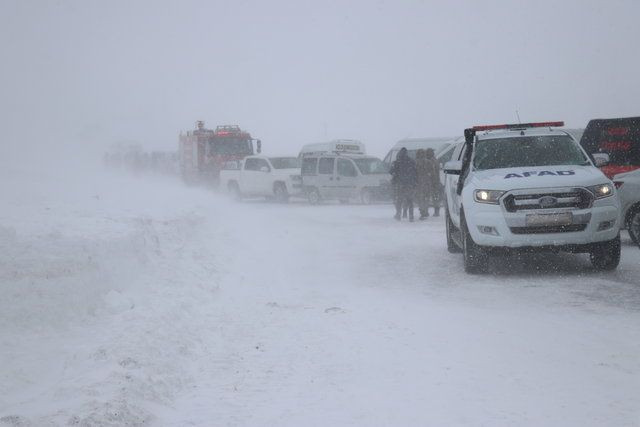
[
  {"x": 572, "y": 198},
  {"x": 549, "y": 229}
]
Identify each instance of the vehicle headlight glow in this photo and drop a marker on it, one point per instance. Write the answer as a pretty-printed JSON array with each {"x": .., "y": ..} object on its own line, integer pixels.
[
  {"x": 602, "y": 190},
  {"x": 487, "y": 196}
]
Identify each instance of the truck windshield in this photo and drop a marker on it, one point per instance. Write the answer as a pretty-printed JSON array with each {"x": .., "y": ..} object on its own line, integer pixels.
[
  {"x": 528, "y": 151},
  {"x": 231, "y": 146},
  {"x": 371, "y": 165},
  {"x": 285, "y": 162}
]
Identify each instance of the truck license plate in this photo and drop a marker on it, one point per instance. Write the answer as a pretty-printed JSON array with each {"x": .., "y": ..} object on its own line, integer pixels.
[{"x": 564, "y": 218}]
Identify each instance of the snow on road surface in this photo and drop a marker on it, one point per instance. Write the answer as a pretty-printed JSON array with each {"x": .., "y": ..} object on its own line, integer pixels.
[{"x": 136, "y": 300}]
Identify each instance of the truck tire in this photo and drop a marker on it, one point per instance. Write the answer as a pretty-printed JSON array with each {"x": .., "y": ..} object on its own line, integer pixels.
[
  {"x": 313, "y": 196},
  {"x": 633, "y": 225},
  {"x": 366, "y": 196},
  {"x": 234, "y": 191},
  {"x": 606, "y": 255},
  {"x": 280, "y": 192},
  {"x": 473, "y": 254},
  {"x": 452, "y": 246}
]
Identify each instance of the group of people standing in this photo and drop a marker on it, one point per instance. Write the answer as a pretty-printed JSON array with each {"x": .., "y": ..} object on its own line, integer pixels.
[{"x": 416, "y": 180}]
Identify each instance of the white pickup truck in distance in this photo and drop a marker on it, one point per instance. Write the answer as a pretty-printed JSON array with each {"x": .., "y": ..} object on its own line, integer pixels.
[
  {"x": 262, "y": 176},
  {"x": 528, "y": 187}
]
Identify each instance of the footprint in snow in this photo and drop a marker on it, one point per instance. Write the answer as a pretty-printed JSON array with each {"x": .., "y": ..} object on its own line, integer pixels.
[
  {"x": 14, "y": 420},
  {"x": 129, "y": 362}
]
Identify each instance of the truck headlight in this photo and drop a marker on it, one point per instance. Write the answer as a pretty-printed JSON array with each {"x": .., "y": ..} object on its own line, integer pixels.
[
  {"x": 602, "y": 190},
  {"x": 487, "y": 196}
]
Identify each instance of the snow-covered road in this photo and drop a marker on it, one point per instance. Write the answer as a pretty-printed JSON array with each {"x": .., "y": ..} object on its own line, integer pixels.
[{"x": 137, "y": 300}]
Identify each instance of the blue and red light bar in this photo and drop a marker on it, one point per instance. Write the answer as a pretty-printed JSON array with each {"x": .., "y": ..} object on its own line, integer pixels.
[{"x": 518, "y": 126}]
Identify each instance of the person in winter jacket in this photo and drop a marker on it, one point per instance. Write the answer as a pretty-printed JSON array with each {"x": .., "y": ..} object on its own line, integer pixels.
[
  {"x": 428, "y": 190},
  {"x": 422, "y": 188},
  {"x": 404, "y": 180}
]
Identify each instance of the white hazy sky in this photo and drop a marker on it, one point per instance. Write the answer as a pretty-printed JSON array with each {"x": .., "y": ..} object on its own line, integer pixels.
[{"x": 293, "y": 72}]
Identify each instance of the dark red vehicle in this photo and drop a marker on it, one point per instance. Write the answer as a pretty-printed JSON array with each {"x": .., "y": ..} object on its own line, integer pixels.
[
  {"x": 619, "y": 138},
  {"x": 203, "y": 152}
]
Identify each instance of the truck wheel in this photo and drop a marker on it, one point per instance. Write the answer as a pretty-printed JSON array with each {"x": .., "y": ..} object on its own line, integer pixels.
[
  {"x": 452, "y": 246},
  {"x": 234, "y": 191},
  {"x": 606, "y": 255},
  {"x": 633, "y": 225},
  {"x": 474, "y": 258},
  {"x": 313, "y": 195},
  {"x": 366, "y": 196},
  {"x": 280, "y": 192}
]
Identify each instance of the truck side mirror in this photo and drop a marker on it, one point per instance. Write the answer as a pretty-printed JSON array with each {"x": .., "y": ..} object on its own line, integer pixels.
[
  {"x": 259, "y": 146},
  {"x": 264, "y": 169},
  {"x": 601, "y": 159},
  {"x": 453, "y": 167}
]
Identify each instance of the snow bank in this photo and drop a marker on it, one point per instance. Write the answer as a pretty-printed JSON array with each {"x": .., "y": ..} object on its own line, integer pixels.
[{"x": 90, "y": 329}]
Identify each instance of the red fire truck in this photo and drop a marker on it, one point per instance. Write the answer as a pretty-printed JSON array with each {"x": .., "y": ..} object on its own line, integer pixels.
[{"x": 203, "y": 152}]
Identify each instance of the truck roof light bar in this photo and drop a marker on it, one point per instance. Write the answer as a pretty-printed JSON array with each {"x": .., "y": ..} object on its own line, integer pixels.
[{"x": 518, "y": 126}]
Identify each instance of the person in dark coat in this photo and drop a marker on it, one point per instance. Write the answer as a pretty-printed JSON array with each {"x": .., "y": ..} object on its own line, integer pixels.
[
  {"x": 404, "y": 180},
  {"x": 423, "y": 167},
  {"x": 432, "y": 183}
]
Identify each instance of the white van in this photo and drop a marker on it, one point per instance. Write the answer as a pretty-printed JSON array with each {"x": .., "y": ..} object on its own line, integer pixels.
[
  {"x": 339, "y": 170},
  {"x": 342, "y": 146},
  {"x": 414, "y": 144}
]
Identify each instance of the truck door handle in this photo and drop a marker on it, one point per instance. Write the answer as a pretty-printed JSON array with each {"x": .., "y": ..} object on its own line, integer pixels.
[
  {"x": 331, "y": 179},
  {"x": 338, "y": 179}
]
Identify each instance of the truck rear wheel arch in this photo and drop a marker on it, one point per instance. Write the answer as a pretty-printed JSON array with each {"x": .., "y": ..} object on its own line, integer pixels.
[
  {"x": 366, "y": 196},
  {"x": 280, "y": 191},
  {"x": 234, "y": 189},
  {"x": 633, "y": 210}
]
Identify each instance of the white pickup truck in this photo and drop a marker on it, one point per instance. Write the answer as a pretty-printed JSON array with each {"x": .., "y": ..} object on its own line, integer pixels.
[
  {"x": 262, "y": 176},
  {"x": 528, "y": 187}
]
